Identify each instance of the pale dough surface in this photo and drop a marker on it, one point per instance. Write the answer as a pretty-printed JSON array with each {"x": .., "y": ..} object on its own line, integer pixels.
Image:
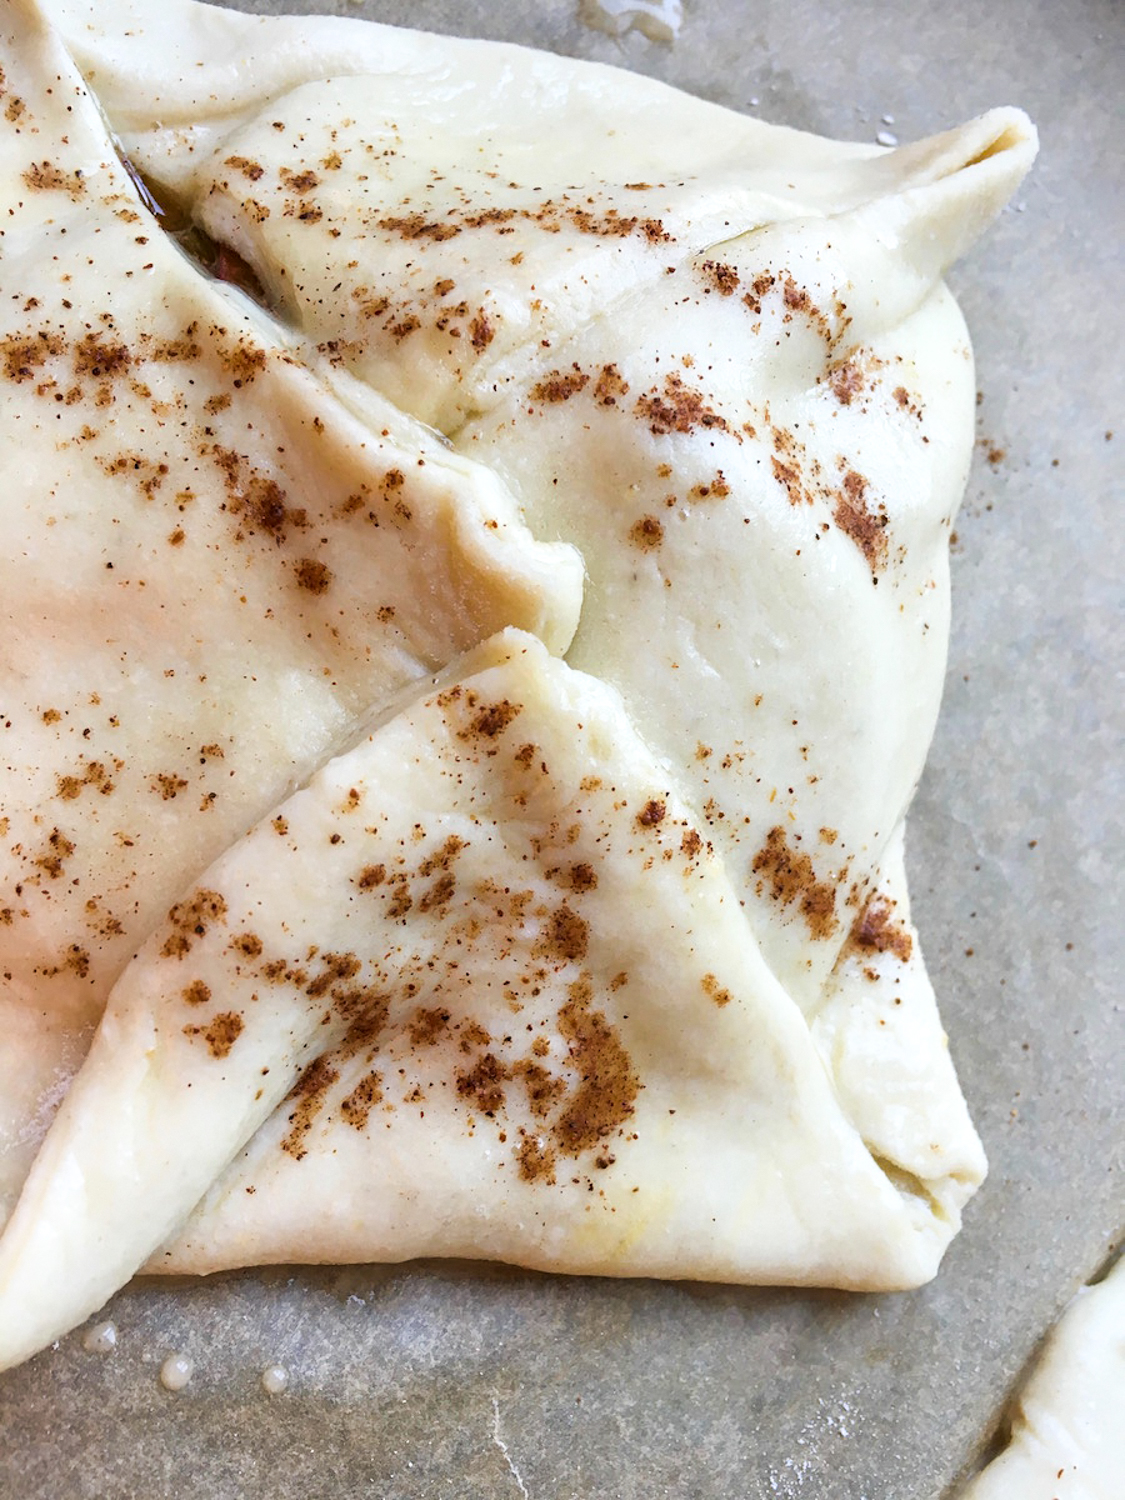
[
  {"x": 1068, "y": 1424},
  {"x": 698, "y": 377}
]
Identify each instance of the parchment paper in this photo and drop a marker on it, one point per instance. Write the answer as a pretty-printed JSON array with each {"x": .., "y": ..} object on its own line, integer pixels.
[{"x": 463, "y": 1382}]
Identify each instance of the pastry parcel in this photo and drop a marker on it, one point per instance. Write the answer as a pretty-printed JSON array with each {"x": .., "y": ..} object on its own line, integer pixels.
[{"x": 423, "y": 922}]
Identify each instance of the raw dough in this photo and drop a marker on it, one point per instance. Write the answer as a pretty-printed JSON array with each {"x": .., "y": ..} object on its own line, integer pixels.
[
  {"x": 214, "y": 570},
  {"x": 707, "y": 361},
  {"x": 1068, "y": 1425}
]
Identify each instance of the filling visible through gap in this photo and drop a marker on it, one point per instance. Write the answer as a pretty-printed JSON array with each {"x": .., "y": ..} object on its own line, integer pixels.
[{"x": 218, "y": 261}]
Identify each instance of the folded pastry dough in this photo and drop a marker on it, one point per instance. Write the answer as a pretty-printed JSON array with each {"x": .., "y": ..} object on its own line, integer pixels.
[
  {"x": 1068, "y": 1425},
  {"x": 487, "y": 990},
  {"x": 720, "y": 362},
  {"x": 214, "y": 567},
  {"x": 661, "y": 1009}
]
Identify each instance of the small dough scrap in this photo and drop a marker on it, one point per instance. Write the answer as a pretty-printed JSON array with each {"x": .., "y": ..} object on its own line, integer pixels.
[{"x": 1068, "y": 1425}]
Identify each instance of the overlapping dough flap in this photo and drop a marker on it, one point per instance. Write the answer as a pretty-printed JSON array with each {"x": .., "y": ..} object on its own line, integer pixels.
[{"x": 465, "y": 679}]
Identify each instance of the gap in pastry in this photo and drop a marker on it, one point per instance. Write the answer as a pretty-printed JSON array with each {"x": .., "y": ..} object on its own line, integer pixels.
[{"x": 219, "y": 261}]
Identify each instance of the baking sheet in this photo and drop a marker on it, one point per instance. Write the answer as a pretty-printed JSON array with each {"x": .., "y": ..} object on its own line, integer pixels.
[{"x": 456, "y": 1381}]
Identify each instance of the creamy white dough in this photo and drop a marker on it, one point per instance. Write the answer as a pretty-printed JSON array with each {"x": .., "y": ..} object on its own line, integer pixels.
[
  {"x": 213, "y": 571},
  {"x": 1068, "y": 1423},
  {"x": 599, "y": 965}
]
